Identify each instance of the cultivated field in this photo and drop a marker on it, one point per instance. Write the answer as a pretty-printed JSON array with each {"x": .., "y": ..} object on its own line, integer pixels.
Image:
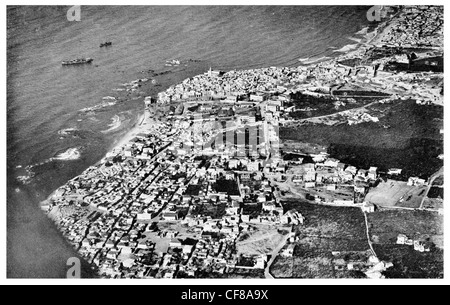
[
  {"x": 409, "y": 263},
  {"x": 326, "y": 229},
  {"x": 386, "y": 225}
]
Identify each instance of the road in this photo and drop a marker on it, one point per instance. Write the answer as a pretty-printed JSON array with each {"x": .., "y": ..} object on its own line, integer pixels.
[
  {"x": 329, "y": 115},
  {"x": 368, "y": 235},
  {"x": 274, "y": 254},
  {"x": 430, "y": 184}
]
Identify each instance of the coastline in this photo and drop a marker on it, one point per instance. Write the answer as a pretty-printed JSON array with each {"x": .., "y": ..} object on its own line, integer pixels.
[
  {"x": 143, "y": 120},
  {"x": 136, "y": 128},
  {"x": 140, "y": 125}
]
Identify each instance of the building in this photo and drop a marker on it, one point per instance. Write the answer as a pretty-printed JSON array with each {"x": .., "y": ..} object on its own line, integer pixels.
[
  {"x": 331, "y": 162},
  {"x": 310, "y": 184},
  {"x": 171, "y": 216},
  {"x": 175, "y": 243},
  {"x": 415, "y": 181},
  {"x": 401, "y": 239},
  {"x": 268, "y": 206},
  {"x": 368, "y": 207},
  {"x": 372, "y": 174},
  {"x": 351, "y": 169},
  {"x": 359, "y": 189},
  {"x": 253, "y": 166},
  {"x": 331, "y": 187},
  {"x": 245, "y": 218},
  {"x": 289, "y": 251},
  {"x": 394, "y": 171},
  {"x": 292, "y": 217}
]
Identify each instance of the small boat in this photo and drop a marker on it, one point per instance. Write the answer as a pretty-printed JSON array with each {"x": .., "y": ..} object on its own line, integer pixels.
[
  {"x": 173, "y": 62},
  {"x": 77, "y": 61},
  {"x": 105, "y": 44}
]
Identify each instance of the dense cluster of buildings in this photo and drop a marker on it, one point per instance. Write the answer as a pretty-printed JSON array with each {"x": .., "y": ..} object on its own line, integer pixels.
[
  {"x": 417, "y": 26},
  {"x": 173, "y": 201},
  {"x": 112, "y": 212}
]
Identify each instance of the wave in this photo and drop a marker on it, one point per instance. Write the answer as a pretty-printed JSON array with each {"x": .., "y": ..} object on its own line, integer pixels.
[
  {"x": 26, "y": 175},
  {"x": 116, "y": 122},
  {"x": 303, "y": 59},
  {"x": 363, "y": 31},
  {"x": 66, "y": 131},
  {"x": 315, "y": 60},
  {"x": 109, "y": 98},
  {"x": 347, "y": 48},
  {"x": 107, "y": 102},
  {"x": 25, "y": 179},
  {"x": 29, "y": 167},
  {"x": 70, "y": 154},
  {"x": 358, "y": 40}
]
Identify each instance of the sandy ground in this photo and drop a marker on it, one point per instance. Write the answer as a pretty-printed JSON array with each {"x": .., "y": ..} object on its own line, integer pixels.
[
  {"x": 395, "y": 193},
  {"x": 140, "y": 127},
  {"x": 263, "y": 240},
  {"x": 162, "y": 243}
]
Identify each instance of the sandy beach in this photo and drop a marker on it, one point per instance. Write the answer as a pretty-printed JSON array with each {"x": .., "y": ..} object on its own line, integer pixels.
[{"x": 139, "y": 127}]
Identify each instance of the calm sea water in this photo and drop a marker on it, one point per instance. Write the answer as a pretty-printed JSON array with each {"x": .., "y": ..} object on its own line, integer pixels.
[{"x": 44, "y": 98}]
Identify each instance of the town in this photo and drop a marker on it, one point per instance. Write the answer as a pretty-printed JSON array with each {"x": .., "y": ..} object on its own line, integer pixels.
[{"x": 176, "y": 199}]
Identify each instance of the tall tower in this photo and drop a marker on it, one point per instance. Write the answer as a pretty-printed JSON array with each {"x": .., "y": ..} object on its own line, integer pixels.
[{"x": 266, "y": 135}]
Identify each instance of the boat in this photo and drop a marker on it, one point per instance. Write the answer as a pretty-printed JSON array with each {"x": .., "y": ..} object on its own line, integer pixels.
[
  {"x": 173, "y": 62},
  {"x": 105, "y": 44},
  {"x": 77, "y": 61}
]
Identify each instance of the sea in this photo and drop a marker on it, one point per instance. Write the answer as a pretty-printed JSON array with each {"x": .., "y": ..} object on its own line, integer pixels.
[{"x": 63, "y": 119}]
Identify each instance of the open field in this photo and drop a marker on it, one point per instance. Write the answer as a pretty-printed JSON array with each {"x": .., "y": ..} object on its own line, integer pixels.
[
  {"x": 436, "y": 192},
  {"x": 328, "y": 221},
  {"x": 439, "y": 180},
  {"x": 316, "y": 267},
  {"x": 315, "y": 246},
  {"x": 326, "y": 229},
  {"x": 313, "y": 106},
  {"x": 162, "y": 243},
  {"x": 407, "y": 136},
  {"x": 409, "y": 263},
  {"x": 260, "y": 239},
  {"x": 232, "y": 273},
  {"x": 433, "y": 203},
  {"x": 386, "y": 225},
  {"x": 215, "y": 211},
  {"x": 396, "y": 193},
  {"x": 302, "y": 147}
]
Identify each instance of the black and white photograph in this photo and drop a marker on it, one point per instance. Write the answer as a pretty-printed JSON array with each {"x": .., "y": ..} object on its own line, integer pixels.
[{"x": 258, "y": 142}]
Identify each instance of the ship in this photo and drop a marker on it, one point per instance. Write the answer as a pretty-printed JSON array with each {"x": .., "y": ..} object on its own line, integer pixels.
[
  {"x": 173, "y": 62},
  {"x": 77, "y": 61},
  {"x": 105, "y": 44}
]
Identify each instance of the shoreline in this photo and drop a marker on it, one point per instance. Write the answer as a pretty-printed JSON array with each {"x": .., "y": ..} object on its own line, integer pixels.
[
  {"x": 134, "y": 129},
  {"x": 138, "y": 127},
  {"x": 145, "y": 122}
]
